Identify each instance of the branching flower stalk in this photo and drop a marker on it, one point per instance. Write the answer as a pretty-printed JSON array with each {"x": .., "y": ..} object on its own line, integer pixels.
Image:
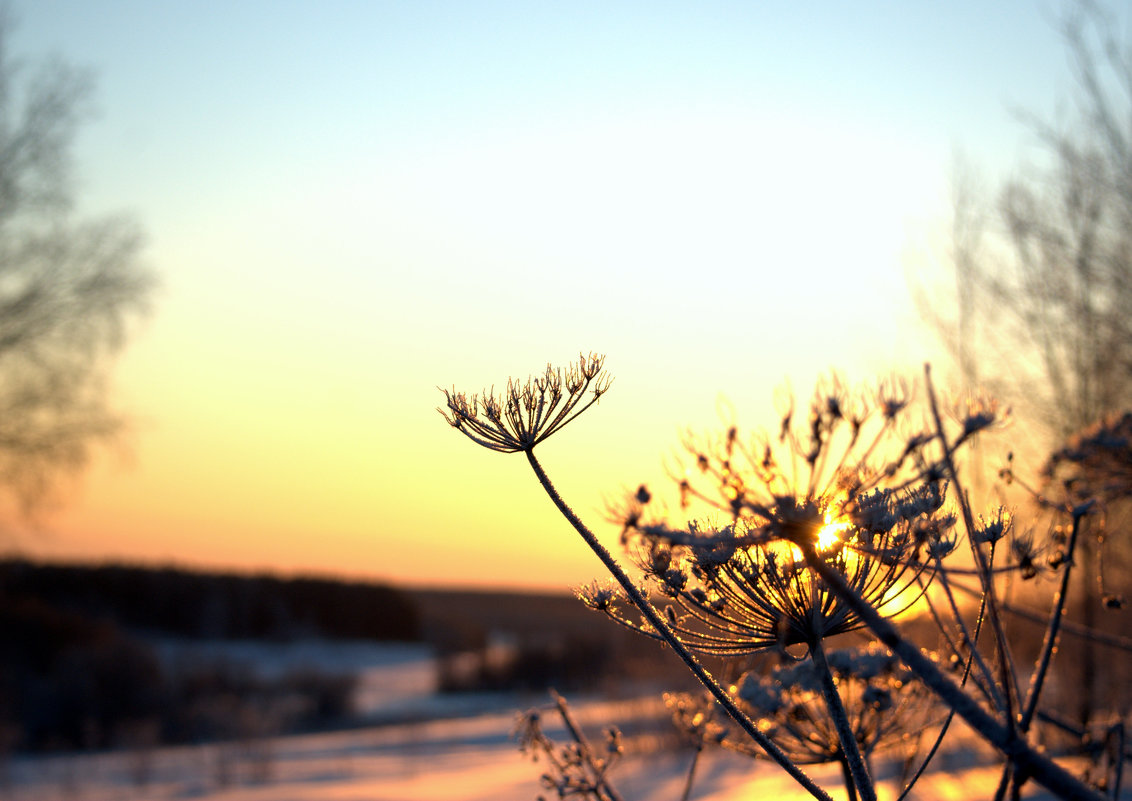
[
  {"x": 1010, "y": 695},
  {"x": 1003, "y": 735},
  {"x": 816, "y": 544},
  {"x": 1049, "y": 642},
  {"x": 1049, "y": 645},
  {"x": 745, "y": 586},
  {"x": 525, "y": 416},
  {"x": 576, "y": 769},
  {"x": 1005, "y": 738},
  {"x": 884, "y": 705},
  {"x": 1006, "y": 668},
  {"x": 969, "y": 640},
  {"x": 987, "y": 686},
  {"x": 892, "y": 520}
]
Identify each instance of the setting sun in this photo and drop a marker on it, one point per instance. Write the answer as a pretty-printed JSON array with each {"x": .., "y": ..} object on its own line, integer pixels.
[
  {"x": 465, "y": 201},
  {"x": 830, "y": 534}
]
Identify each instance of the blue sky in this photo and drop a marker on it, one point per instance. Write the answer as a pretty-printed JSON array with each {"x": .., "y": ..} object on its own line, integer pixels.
[{"x": 350, "y": 204}]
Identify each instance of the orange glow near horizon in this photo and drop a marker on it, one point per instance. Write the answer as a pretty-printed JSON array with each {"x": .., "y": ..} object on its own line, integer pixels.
[{"x": 513, "y": 189}]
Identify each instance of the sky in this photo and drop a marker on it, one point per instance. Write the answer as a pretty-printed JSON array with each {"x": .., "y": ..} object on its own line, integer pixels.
[{"x": 351, "y": 204}]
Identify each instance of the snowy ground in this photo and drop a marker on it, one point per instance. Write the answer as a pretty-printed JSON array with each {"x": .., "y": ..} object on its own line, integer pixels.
[
  {"x": 468, "y": 758},
  {"x": 393, "y": 678},
  {"x": 471, "y": 759}
]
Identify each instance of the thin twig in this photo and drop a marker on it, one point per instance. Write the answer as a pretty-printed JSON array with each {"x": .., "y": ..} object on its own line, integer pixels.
[
  {"x": 1116, "y": 751},
  {"x": 690, "y": 778},
  {"x": 972, "y": 642},
  {"x": 1009, "y": 687},
  {"x": 950, "y": 712},
  {"x": 1067, "y": 626},
  {"x": 1049, "y": 644},
  {"x": 600, "y": 781}
]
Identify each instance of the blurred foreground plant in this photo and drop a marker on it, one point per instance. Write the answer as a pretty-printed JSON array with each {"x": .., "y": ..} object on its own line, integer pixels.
[
  {"x": 836, "y": 523},
  {"x": 885, "y": 705}
]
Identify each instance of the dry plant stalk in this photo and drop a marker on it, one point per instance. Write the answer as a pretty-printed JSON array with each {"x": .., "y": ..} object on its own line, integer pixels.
[{"x": 836, "y": 523}]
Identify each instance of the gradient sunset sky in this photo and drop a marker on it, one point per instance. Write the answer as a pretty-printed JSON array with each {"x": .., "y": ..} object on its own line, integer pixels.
[{"x": 350, "y": 204}]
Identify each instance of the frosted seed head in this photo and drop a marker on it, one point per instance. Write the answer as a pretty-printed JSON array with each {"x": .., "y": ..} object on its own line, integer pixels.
[
  {"x": 599, "y": 596},
  {"x": 527, "y": 413},
  {"x": 760, "y": 692},
  {"x": 991, "y": 530}
]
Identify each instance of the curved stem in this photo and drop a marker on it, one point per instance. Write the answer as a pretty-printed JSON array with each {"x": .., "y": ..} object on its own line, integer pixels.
[
  {"x": 1012, "y": 778},
  {"x": 662, "y": 628},
  {"x": 690, "y": 777},
  {"x": 1116, "y": 744},
  {"x": 850, "y": 751}
]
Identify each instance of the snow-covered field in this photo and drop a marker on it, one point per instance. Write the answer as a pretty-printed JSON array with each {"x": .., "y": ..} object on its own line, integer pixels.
[
  {"x": 393, "y": 678},
  {"x": 469, "y": 758}
]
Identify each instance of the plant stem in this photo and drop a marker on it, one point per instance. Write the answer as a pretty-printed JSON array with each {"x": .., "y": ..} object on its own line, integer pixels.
[
  {"x": 1049, "y": 644},
  {"x": 970, "y": 641},
  {"x": 690, "y": 778},
  {"x": 850, "y": 751},
  {"x": 1116, "y": 750},
  {"x": 847, "y": 775},
  {"x": 609, "y": 792},
  {"x": 661, "y": 627},
  {"x": 1008, "y": 682},
  {"x": 971, "y": 651},
  {"x": 1004, "y": 738},
  {"x": 1067, "y": 626}
]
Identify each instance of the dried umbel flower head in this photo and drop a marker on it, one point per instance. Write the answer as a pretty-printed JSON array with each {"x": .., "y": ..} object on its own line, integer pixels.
[
  {"x": 979, "y": 412},
  {"x": 600, "y": 596},
  {"x": 742, "y": 588},
  {"x": 883, "y": 701},
  {"x": 1091, "y": 477},
  {"x": 851, "y": 489},
  {"x": 1097, "y": 462},
  {"x": 851, "y": 441},
  {"x": 527, "y": 413},
  {"x": 991, "y": 529}
]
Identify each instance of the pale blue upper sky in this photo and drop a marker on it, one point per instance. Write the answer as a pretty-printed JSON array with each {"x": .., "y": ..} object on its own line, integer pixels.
[{"x": 351, "y": 203}]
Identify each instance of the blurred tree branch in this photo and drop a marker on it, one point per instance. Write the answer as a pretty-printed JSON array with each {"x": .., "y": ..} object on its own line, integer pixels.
[
  {"x": 68, "y": 288},
  {"x": 1044, "y": 289},
  {"x": 1044, "y": 277}
]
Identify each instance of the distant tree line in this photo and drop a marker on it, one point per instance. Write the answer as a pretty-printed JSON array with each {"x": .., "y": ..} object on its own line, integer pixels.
[
  {"x": 224, "y": 606},
  {"x": 78, "y": 670},
  {"x": 68, "y": 681}
]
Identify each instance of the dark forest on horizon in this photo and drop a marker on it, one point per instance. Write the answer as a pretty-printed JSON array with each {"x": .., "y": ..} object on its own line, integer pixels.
[{"x": 79, "y": 668}]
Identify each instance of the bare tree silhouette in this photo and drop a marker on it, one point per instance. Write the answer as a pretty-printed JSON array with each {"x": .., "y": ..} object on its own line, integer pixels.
[
  {"x": 1043, "y": 288},
  {"x": 1044, "y": 276},
  {"x": 68, "y": 287}
]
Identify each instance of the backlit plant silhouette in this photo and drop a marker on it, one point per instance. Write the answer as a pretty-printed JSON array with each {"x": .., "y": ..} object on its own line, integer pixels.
[
  {"x": 836, "y": 523},
  {"x": 886, "y": 707}
]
